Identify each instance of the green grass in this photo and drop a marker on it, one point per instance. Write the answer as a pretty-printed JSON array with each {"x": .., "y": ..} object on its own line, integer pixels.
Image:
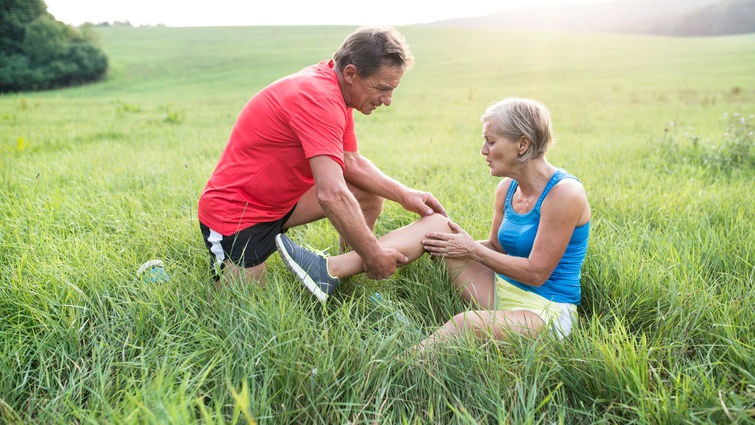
[{"x": 100, "y": 178}]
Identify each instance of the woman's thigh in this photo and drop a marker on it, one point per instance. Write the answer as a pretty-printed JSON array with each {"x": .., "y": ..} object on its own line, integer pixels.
[{"x": 475, "y": 282}]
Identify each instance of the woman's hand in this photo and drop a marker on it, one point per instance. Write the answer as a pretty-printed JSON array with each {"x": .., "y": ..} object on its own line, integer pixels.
[{"x": 451, "y": 245}]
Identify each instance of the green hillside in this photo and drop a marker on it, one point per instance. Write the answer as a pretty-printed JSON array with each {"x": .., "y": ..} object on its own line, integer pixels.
[{"x": 98, "y": 179}]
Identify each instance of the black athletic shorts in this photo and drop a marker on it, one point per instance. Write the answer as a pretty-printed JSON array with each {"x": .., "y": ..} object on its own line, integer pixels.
[{"x": 246, "y": 248}]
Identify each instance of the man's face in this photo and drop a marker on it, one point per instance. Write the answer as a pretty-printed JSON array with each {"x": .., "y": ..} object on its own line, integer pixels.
[{"x": 366, "y": 94}]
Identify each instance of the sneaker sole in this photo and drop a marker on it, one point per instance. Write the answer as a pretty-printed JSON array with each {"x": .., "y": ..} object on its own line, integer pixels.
[{"x": 299, "y": 272}]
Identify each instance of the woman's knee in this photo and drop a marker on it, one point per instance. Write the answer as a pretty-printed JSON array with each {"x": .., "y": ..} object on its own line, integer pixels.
[
  {"x": 481, "y": 323},
  {"x": 435, "y": 223},
  {"x": 456, "y": 326},
  {"x": 468, "y": 320}
]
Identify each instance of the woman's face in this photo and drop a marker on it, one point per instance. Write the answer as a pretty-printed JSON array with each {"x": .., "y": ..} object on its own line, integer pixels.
[{"x": 500, "y": 151}]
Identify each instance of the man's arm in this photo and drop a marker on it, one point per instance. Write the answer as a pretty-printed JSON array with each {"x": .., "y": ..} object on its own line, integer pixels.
[
  {"x": 363, "y": 174},
  {"x": 343, "y": 210}
]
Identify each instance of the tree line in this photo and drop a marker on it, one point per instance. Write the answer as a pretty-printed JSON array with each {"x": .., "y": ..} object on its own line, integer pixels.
[{"x": 39, "y": 52}]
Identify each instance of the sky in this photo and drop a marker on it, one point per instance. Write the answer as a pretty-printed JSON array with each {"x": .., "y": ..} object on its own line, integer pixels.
[{"x": 178, "y": 13}]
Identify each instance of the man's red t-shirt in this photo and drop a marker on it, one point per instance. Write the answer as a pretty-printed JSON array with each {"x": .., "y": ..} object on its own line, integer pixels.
[{"x": 264, "y": 169}]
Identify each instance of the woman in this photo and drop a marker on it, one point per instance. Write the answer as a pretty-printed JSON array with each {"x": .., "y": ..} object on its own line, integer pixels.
[{"x": 525, "y": 277}]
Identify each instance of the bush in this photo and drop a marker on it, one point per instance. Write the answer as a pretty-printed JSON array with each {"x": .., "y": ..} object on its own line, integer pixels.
[
  {"x": 735, "y": 150},
  {"x": 38, "y": 52}
]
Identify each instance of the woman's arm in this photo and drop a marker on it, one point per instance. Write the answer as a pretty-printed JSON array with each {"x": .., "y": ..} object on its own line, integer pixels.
[{"x": 564, "y": 208}]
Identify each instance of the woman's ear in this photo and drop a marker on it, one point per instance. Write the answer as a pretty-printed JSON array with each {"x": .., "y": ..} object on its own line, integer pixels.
[{"x": 524, "y": 145}]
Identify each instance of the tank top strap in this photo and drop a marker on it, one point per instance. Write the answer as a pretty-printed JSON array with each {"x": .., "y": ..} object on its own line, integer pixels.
[
  {"x": 555, "y": 178},
  {"x": 510, "y": 193}
]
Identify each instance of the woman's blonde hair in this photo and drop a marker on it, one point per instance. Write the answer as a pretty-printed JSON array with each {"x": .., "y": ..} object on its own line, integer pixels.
[{"x": 516, "y": 117}]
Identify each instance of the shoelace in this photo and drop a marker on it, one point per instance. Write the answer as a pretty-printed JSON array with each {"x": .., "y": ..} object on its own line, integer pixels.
[{"x": 323, "y": 252}]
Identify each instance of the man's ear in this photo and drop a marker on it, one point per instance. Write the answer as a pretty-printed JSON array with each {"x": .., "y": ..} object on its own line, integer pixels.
[{"x": 349, "y": 73}]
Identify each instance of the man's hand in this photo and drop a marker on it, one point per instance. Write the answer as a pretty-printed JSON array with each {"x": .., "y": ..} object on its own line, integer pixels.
[
  {"x": 382, "y": 266},
  {"x": 422, "y": 203}
]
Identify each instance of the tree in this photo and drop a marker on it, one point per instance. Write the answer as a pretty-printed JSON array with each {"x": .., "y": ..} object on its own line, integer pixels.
[{"x": 39, "y": 52}]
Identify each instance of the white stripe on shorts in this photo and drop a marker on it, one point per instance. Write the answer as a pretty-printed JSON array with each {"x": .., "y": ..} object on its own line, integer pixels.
[
  {"x": 563, "y": 327},
  {"x": 216, "y": 249}
]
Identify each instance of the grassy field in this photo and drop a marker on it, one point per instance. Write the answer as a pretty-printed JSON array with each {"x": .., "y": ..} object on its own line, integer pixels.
[{"x": 98, "y": 179}]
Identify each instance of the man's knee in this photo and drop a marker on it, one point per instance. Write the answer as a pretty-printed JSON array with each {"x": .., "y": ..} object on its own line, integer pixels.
[{"x": 370, "y": 204}]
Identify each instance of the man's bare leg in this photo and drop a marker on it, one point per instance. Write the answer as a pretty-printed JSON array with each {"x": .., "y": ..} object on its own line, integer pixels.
[
  {"x": 251, "y": 275},
  {"x": 371, "y": 206},
  {"x": 308, "y": 210}
]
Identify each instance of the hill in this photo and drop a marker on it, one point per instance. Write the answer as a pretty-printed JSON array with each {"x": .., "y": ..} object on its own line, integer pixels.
[
  {"x": 731, "y": 17},
  {"x": 669, "y": 17}
]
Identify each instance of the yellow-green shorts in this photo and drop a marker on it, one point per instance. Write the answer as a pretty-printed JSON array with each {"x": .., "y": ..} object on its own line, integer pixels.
[{"x": 559, "y": 317}]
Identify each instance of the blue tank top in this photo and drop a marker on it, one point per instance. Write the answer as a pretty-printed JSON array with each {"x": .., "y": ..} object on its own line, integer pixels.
[{"x": 517, "y": 235}]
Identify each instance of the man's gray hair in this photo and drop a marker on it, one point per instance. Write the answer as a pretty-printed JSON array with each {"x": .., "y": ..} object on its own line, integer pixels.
[
  {"x": 368, "y": 48},
  {"x": 516, "y": 117}
]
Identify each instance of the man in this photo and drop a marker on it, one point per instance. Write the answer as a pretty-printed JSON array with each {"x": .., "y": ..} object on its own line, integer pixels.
[{"x": 292, "y": 159}]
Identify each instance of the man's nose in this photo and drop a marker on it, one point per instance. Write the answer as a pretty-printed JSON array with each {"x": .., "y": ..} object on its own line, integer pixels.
[{"x": 386, "y": 99}]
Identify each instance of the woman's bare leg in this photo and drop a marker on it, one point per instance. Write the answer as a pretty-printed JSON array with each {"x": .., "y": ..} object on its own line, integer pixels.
[
  {"x": 474, "y": 281},
  {"x": 407, "y": 240},
  {"x": 484, "y": 324}
]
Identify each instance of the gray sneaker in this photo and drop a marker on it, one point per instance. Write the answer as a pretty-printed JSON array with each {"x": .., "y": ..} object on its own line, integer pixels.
[{"x": 309, "y": 267}]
